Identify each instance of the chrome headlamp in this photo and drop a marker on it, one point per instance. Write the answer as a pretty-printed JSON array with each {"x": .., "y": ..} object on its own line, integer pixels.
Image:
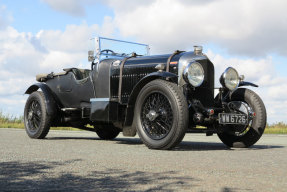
[
  {"x": 194, "y": 74},
  {"x": 230, "y": 79}
]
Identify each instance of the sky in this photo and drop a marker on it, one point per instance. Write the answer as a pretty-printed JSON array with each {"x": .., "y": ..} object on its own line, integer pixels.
[{"x": 41, "y": 36}]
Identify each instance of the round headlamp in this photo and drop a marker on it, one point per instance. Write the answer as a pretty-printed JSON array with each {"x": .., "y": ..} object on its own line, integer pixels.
[
  {"x": 230, "y": 79},
  {"x": 194, "y": 74}
]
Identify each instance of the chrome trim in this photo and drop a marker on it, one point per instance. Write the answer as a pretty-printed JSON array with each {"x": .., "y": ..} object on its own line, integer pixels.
[
  {"x": 185, "y": 73},
  {"x": 184, "y": 60},
  {"x": 223, "y": 76},
  {"x": 99, "y": 99},
  {"x": 198, "y": 50}
]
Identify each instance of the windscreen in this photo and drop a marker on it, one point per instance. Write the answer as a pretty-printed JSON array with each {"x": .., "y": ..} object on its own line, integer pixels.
[{"x": 117, "y": 48}]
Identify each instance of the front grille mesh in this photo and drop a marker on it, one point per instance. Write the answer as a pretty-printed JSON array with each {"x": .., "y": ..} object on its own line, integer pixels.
[{"x": 131, "y": 76}]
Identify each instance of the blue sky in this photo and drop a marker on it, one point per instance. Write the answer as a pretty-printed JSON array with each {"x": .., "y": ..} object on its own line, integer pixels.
[
  {"x": 35, "y": 15},
  {"x": 40, "y": 36}
]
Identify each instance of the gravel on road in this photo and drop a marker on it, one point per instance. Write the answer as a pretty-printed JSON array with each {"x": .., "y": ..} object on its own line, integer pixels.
[{"x": 80, "y": 161}]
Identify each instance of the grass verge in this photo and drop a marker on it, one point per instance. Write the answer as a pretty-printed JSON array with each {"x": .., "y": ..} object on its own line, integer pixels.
[{"x": 9, "y": 121}]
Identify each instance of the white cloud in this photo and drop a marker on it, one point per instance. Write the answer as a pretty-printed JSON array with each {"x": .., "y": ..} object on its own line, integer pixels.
[
  {"x": 72, "y": 7},
  {"x": 242, "y": 27},
  {"x": 23, "y": 55},
  {"x": 257, "y": 70},
  {"x": 74, "y": 39},
  {"x": 13, "y": 105},
  {"x": 272, "y": 88}
]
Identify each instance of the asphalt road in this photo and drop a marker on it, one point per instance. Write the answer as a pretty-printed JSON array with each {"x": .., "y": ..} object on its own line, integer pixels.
[{"x": 79, "y": 161}]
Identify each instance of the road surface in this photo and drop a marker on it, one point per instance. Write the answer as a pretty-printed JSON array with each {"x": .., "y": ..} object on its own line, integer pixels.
[{"x": 79, "y": 161}]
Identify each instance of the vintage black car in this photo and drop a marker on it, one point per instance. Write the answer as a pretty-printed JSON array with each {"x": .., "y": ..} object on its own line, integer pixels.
[{"x": 160, "y": 97}]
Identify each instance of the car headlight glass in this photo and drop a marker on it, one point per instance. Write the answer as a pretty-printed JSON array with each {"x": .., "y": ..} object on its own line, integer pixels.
[
  {"x": 194, "y": 74},
  {"x": 230, "y": 78}
]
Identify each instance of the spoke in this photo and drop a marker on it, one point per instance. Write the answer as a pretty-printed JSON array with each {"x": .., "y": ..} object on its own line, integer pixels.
[
  {"x": 35, "y": 115},
  {"x": 158, "y": 106},
  {"x": 161, "y": 126},
  {"x": 34, "y": 124}
]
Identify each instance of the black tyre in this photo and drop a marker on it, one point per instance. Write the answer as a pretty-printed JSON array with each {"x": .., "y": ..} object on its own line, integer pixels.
[
  {"x": 107, "y": 132},
  {"x": 37, "y": 121},
  {"x": 161, "y": 115},
  {"x": 251, "y": 133}
]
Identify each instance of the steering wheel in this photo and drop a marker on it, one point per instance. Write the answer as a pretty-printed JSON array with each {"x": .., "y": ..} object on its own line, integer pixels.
[
  {"x": 93, "y": 65},
  {"x": 107, "y": 51}
]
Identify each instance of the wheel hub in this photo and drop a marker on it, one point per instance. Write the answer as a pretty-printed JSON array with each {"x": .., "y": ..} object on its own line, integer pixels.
[
  {"x": 152, "y": 115},
  {"x": 30, "y": 115}
]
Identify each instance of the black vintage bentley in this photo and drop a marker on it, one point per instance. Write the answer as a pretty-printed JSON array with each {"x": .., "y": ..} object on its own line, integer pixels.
[{"x": 160, "y": 97}]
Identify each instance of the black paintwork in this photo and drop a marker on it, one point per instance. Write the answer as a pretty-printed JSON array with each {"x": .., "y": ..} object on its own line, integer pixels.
[
  {"x": 48, "y": 94},
  {"x": 104, "y": 111},
  {"x": 101, "y": 78},
  {"x": 72, "y": 92},
  {"x": 245, "y": 83},
  {"x": 135, "y": 69},
  {"x": 205, "y": 92},
  {"x": 102, "y": 86}
]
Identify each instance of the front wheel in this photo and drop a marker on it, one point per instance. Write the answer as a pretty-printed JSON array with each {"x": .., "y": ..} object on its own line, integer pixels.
[
  {"x": 161, "y": 115},
  {"x": 246, "y": 135},
  {"x": 37, "y": 121}
]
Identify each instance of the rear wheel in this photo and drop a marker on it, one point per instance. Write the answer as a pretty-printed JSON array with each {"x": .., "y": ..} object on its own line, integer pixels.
[
  {"x": 107, "y": 132},
  {"x": 240, "y": 136},
  {"x": 37, "y": 121},
  {"x": 161, "y": 115}
]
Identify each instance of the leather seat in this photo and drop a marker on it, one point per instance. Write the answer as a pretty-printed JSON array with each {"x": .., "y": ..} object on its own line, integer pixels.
[
  {"x": 79, "y": 73},
  {"x": 44, "y": 77}
]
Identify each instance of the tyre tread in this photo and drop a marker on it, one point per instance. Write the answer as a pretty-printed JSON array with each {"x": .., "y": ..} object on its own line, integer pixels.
[{"x": 182, "y": 114}]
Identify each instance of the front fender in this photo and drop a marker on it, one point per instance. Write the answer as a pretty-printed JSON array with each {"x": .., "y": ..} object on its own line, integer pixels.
[
  {"x": 246, "y": 83},
  {"x": 49, "y": 99},
  {"x": 148, "y": 78}
]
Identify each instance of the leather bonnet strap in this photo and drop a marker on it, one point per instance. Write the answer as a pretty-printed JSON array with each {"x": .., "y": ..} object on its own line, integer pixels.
[{"x": 121, "y": 76}]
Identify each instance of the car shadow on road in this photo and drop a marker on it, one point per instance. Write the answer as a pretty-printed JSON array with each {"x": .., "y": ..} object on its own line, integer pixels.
[
  {"x": 197, "y": 146},
  {"x": 129, "y": 141},
  {"x": 209, "y": 146},
  {"x": 183, "y": 146},
  {"x": 72, "y": 138}
]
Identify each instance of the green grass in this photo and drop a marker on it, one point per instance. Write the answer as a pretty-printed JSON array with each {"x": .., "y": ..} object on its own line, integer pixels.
[
  {"x": 9, "y": 121},
  {"x": 276, "y": 128}
]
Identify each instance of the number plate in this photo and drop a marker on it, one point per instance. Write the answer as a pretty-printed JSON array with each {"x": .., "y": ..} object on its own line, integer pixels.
[{"x": 231, "y": 118}]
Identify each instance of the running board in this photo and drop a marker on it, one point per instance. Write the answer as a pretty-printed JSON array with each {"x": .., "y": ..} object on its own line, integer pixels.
[
  {"x": 70, "y": 109},
  {"x": 85, "y": 112}
]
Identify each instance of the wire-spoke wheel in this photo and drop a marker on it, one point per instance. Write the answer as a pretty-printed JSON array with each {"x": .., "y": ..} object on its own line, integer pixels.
[
  {"x": 161, "y": 115},
  {"x": 156, "y": 116},
  {"x": 34, "y": 116},
  {"x": 36, "y": 119}
]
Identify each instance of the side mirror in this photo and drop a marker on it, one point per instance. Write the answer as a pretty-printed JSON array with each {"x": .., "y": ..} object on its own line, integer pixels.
[{"x": 91, "y": 56}]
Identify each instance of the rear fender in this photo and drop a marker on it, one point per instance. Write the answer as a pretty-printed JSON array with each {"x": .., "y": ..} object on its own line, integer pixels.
[
  {"x": 49, "y": 99},
  {"x": 133, "y": 97}
]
